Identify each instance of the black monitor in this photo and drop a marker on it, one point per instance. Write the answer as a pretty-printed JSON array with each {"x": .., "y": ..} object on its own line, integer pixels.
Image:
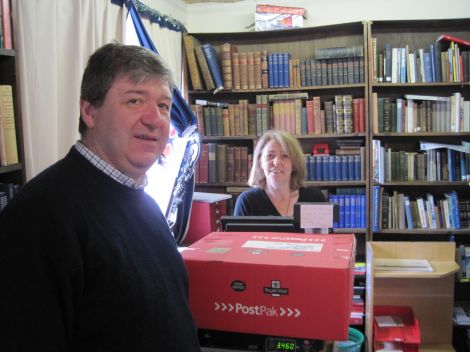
[{"x": 259, "y": 224}]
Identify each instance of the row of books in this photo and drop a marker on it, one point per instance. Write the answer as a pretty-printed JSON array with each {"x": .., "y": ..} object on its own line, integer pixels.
[
  {"x": 8, "y": 145},
  {"x": 7, "y": 192},
  {"x": 261, "y": 70},
  {"x": 396, "y": 210},
  {"x": 223, "y": 163},
  {"x": 440, "y": 164},
  {"x": 423, "y": 65},
  {"x": 420, "y": 113},
  {"x": 352, "y": 210},
  {"x": 315, "y": 72},
  {"x": 286, "y": 112},
  {"x": 462, "y": 257},
  {"x": 335, "y": 167},
  {"x": 6, "y": 41}
]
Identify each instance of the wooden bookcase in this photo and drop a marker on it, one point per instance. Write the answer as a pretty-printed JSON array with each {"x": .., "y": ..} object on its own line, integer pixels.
[
  {"x": 14, "y": 173},
  {"x": 430, "y": 294},
  {"x": 301, "y": 44},
  {"x": 416, "y": 34},
  {"x": 419, "y": 34}
]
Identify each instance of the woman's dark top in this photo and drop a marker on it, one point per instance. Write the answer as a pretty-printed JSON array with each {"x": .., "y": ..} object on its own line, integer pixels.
[{"x": 255, "y": 201}]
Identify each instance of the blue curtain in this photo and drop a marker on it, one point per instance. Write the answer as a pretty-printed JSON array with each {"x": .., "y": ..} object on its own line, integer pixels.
[{"x": 182, "y": 118}]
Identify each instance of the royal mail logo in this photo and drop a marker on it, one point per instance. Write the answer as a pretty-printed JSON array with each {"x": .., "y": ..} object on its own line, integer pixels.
[
  {"x": 257, "y": 310},
  {"x": 275, "y": 290}
]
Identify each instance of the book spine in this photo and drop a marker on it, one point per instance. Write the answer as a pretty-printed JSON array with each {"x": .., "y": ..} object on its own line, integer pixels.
[
  {"x": 214, "y": 67},
  {"x": 8, "y": 123}
]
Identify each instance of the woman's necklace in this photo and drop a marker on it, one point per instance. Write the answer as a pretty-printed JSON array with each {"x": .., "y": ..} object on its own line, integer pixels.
[{"x": 288, "y": 204}]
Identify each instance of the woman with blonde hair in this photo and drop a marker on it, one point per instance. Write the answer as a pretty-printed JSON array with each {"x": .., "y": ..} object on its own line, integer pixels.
[{"x": 277, "y": 177}]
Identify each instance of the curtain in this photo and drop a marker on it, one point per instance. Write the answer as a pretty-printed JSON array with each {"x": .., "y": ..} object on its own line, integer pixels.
[
  {"x": 169, "y": 46},
  {"x": 54, "y": 39},
  {"x": 171, "y": 180}
]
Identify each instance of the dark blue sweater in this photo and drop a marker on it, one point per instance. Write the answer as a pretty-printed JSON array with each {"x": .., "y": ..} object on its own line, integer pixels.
[
  {"x": 255, "y": 201},
  {"x": 87, "y": 264}
]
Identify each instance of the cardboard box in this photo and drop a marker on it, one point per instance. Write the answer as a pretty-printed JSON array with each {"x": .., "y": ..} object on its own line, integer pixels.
[
  {"x": 279, "y": 284},
  {"x": 269, "y": 17}
]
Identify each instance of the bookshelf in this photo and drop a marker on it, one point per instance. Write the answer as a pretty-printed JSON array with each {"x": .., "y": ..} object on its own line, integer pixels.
[
  {"x": 12, "y": 173},
  {"x": 403, "y": 143},
  {"x": 302, "y": 45}
]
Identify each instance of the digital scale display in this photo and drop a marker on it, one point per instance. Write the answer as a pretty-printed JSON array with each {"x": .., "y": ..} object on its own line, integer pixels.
[{"x": 280, "y": 344}]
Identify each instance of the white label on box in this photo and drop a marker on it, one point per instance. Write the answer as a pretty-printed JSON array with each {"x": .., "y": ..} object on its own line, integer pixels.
[
  {"x": 284, "y": 246},
  {"x": 316, "y": 216}
]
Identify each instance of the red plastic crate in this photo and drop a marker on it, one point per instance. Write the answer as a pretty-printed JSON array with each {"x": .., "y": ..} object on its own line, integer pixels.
[{"x": 408, "y": 335}]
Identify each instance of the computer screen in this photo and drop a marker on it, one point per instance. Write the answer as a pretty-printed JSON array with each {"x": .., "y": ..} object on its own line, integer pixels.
[{"x": 258, "y": 224}]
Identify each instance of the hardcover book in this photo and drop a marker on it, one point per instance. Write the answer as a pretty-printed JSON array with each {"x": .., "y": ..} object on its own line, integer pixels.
[
  {"x": 214, "y": 66},
  {"x": 7, "y": 118},
  {"x": 196, "y": 81},
  {"x": 201, "y": 59}
]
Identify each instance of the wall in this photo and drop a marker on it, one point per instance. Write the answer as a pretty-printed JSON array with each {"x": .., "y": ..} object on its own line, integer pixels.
[
  {"x": 230, "y": 17},
  {"x": 174, "y": 8}
]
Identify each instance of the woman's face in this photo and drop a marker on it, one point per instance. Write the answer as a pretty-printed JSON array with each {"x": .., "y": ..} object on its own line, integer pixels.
[{"x": 276, "y": 164}]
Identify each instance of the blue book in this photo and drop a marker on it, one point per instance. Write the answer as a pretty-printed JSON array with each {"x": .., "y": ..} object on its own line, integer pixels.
[
  {"x": 326, "y": 167},
  {"x": 277, "y": 70},
  {"x": 347, "y": 211},
  {"x": 408, "y": 216},
  {"x": 363, "y": 210},
  {"x": 454, "y": 209},
  {"x": 312, "y": 168},
  {"x": 352, "y": 213},
  {"x": 341, "y": 211},
  {"x": 270, "y": 71},
  {"x": 351, "y": 167},
  {"x": 433, "y": 64},
  {"x": 344, "y": 167},
  {"x": 214, "y": 67},
  {"x": 427, "y": 67},
  {"x": 319, "y": 167},
  {"x": 375, "y": 208},
  {"x": 338, "y": 168},
  {"x": 358, "y": 210},
  {"x": 334, "y": 199},
  {"x": 402, "y": 65},
  {"x": 307, "y": 167},
  {"x": 357, "y": 167},
  {"x": 331, "y": 168},
  {"x": 285, "y": 62}
]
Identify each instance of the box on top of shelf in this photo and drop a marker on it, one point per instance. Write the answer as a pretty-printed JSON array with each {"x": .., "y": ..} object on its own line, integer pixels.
[
  {"x": 268, "y": 17},
  {"x": 281, "y": 284}
]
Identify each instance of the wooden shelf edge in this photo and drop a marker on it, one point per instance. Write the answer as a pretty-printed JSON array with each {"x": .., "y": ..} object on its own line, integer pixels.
[{"x": 441, "y": 269}]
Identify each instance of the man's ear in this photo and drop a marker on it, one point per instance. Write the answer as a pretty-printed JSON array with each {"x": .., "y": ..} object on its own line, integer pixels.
[{"x": 87, "y": 112}]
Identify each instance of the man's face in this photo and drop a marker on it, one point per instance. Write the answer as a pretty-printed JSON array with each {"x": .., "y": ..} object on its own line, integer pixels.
[{"x": 130, "y": 130}]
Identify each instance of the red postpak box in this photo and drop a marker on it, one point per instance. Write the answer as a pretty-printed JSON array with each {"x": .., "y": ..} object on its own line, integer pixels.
[{"x": 280, "y": 284}]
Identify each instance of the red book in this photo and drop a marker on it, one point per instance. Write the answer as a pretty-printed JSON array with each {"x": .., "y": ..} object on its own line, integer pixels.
[
  {"x": 356, "y": 116},
  {"x": 310, "y": 127},
  {"x": 6, "y": 24},
  {"x": 450, "y": 38}
]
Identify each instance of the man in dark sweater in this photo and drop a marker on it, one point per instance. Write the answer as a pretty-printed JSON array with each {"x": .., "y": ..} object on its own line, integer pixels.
[{"x": 87, "y": 261}]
